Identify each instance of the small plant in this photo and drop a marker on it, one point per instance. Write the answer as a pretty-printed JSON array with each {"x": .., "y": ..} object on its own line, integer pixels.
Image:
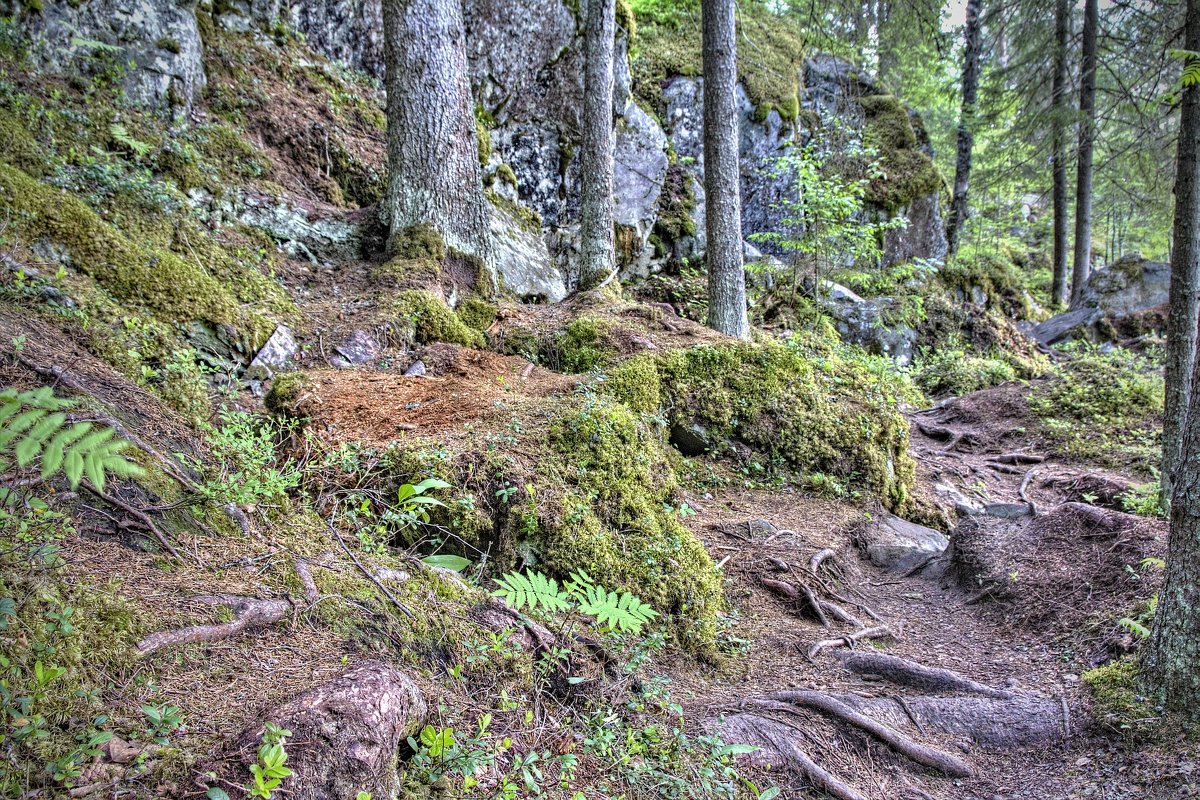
[
  {"x": 33, "y": 427},
  {"x": 270, "y": 771},
  {"x": 617, "y": 611},
  {"x": 413, "y": 504},
  {"x": 249, "y": 472},
  {"x": 163, "y": 720}
]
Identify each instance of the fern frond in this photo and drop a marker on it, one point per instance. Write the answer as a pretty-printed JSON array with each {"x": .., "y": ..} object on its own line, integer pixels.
[
  {"x": 531, "y": 591},
  {"x": 620, "y": 611}
]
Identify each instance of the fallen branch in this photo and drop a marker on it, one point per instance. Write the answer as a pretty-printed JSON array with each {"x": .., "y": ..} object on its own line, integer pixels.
[
  {"x": 248, "y": 613},
  {"x": 902, "y": 672},
  {"x": 138, "y": 515},
  {"x": 789, "y": 702},
  {"x": 849, "y": 640},
  {"x": 1017, "y": 458}
]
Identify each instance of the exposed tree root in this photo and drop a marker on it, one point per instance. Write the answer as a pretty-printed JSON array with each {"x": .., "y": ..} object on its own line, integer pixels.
[
  {"x": 1033, "y": 511},
  {"x": 140, "y": 516},
  {"x": 780, "y": 749},
  {"x": 780, "y": 587},
  {"x": 927, "y": 756},
  {"x": 1017, "y": 721},
  {"x": 848, "y": 640},
  {"x": 818, "y": 558},
  {"x": 306, "y": 580},
  {"x": 814, "y": 605},
  {"x": 1017, "y": 458},
  {"x": 248, "y": 612},
  {"x": 902, "y": 672},
  {"x": 841, "y": 614}
]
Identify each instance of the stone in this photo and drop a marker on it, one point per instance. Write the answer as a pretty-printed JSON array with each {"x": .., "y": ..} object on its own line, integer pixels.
[
  {"x": 690, "y": 439},
  {"x": 524, "y": 264},
  {"x": 159, "y": 40},
  {"x": 1113, "y": 298},
  {"x": 274, "y": 355},
  {"x": 1008, "y": 510},
  {"x": 345, "y": 733},
  {"x": 359, "y": 348},
  {"x": 317, "y": 234},
  {"x": 898, "y": 545},
  {"x": 639, "y": 168},
  {"x": 861, "y": 322},
  {"x": 415, "y": 370}
]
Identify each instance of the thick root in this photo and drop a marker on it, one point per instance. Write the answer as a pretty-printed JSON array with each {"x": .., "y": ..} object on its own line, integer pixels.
[
  {"x": 903, "y": 672},
  {"x": 779, "y": 750}
]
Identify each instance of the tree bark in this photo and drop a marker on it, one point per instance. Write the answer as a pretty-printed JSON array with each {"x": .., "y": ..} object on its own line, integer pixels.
[
  {"x": 433, "y": 152},
  {"x": 1183, "y": 307},
  {"x": 1174, "y": 650},
  {"x": 1062, "y": 28},
  {"x": 722, "y": 183},
  {"x": 966, "y": 123},
  {"x": 1087, "y": 139},
  {"x": 597, "y": 255}
]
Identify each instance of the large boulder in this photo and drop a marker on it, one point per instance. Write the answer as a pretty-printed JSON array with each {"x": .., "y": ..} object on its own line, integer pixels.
[
  {"x": 1123, "y": 300},
  {"x": 898, "y": 545},
  {"x": 157, "y": 41},
  {"x": 863, "y": 322}
]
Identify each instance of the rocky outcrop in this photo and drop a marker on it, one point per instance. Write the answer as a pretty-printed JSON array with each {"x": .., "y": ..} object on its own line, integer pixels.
[
  {"x": 863, "y": 322},
  {"x": 1122, "y": 301},
  {"x": 160, "y": 39}
]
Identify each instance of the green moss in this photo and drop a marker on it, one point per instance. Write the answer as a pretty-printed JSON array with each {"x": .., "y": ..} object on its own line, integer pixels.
[
  {"x": 628, "y": 244},
  {"x": 581, "y": 346},
  {"x": 908, "y": 173},
  {"x": 21, "y": 149},
  {"x": 812, "y": 411},
  {"x": 636, "y": 383},
  {"x": 524, "y": 216},
  {"x": 408, "y": 273},
  {"x": 161, "y": 281},
  {"x": 505, "y": 173},
  {"x": 770, "y": 57},
  {"x": 612, "y": 521},
  {"x": 169, "y": 43},
  {"x": 676, "y": 203},
  {"x": 1116, "y": 700},
  {"x": 432, "y": 320},
  {"x": 287, "y": 390},
  {"x": 420, "y": 241},
  {"x": 477, "y": 313},
  {"x": 626, "y": 20},
  {"x": 484, "y": 141}
]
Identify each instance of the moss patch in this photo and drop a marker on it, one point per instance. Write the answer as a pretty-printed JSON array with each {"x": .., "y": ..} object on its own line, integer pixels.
[
  {"x": 908, "y": 173},
  {"x": 432, "y": 320},
  {"x": 418, "y": 241},
  {"x": 1116, "y": 700},
  {"x": 770, "y": 57}
]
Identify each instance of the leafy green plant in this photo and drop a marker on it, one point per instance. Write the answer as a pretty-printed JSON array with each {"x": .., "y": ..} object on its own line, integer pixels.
[
  {"x": 34, "y": 427},
  {"x": 617, "y": 611},
  {"x": 248, "y": 471},
  {"x": 123, "y": 137},
  {"x": 163, "y": 720},
  {"x": 413, "y": 504},
  {"x": 269, "y": 771}
]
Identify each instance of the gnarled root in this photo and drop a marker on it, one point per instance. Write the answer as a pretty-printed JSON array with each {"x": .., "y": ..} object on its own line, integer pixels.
[
  {"x": 903, "y": 672},
  {"x": 248, "y": 613},
  {"x": 779, "y": 749}
]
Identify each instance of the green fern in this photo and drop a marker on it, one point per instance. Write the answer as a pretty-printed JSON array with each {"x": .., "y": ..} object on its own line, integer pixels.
[
  {"x": 620, "y": 611},
  {"x": 33, "y": 426},
  {"x": 1191, "y": 66},
  {"x": 531, "y": 591},
  {"x": 121, "y": 135}
]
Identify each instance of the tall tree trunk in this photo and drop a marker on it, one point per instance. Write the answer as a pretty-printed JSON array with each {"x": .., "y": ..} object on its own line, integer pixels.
[
  {"x": 1087, "y": 140},
  {"x": 966, "y": 122},
  {"x": 597, "y": 255},
  {"x": 433, "y": 154},
  {"x": 1183, "y": 308},
  {"x": 722, "y": 181},
  {"x": 1062, "y": 31}
]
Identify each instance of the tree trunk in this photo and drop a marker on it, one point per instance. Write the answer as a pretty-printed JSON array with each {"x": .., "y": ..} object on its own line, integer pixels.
[
  {"x": 1062, "y": 30},
  {"x": 1087, "y": 138},
  {"x": 433, "y": 152},
  {"x": 966, "y": 121},
  {"x": 1170, "y": 660},
  {"x": 723, "y": 199},
  {"x": 597, "y": 256},
  {"x": 1183, "y": 308}
]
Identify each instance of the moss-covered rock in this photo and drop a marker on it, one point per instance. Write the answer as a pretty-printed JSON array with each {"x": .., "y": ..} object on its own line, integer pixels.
[
  {"x": 770, "y": 56},
  {"x": 637, "y": 383},
  {"x": 908, "y": 172},
  {"x": 170, "y": 286},
  {"x": 420, "y": 241},
  {"x": 814, "y": 413},
  {"x": 287, "y": 393},
  {"x": 1117, "y": 700},
  {"x": 477, "y": 313},
  {"x": 432, "y": 320}
]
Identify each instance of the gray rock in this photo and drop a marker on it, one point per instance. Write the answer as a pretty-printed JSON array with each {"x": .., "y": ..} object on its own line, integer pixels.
[
  {"x": 640, "y": 164},
  {"x": 898, "y": 545},
  {"x": 691, "y": 439},
  {"x": 1127, "y": 287},
  {"x": 274, "y": 355},
  {"x": 318, "y": 235},
  {"x": 415, "y": 370},
  {"x": 159, "y": 76},
  {"x": 1008, "y": 510},
  {"x": 359, "y": 348},
  {"x": 860, "y": 322},
  {"x": 523, "y": 261}
]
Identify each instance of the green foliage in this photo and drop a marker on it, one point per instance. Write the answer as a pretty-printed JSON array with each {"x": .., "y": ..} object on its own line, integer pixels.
[
  {"x": 618, "y": 611},
  {"x": 432, "y": 320},
  {"x": 33, "y": 428},
  {"x": 269, "y": 770},
  {"x": 1103, "y": 407},
  {"x": 952, "y": 369},
  {"x": 1117, "y": 701},
  {"x": 245, "y": 468},
  {"x": 121, "y": 136},
  {"x": 906, "y": 172},
  {"x": 1145, "y": 500},
  {"x": 826, "y": 205}
]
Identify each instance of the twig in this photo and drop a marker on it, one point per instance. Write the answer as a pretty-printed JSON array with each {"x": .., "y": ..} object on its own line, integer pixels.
[{"x": 370, "y": 576}]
